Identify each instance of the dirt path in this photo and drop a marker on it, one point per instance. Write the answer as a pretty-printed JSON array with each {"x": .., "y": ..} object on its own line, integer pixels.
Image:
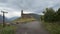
[{"x": 31, "y": 28}]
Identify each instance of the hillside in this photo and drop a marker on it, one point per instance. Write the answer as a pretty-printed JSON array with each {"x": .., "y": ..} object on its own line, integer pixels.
[
  {"x": 35, "y": 17},
  {"x": 24, "y": 19},
  {"x": 1, "y": 19}
]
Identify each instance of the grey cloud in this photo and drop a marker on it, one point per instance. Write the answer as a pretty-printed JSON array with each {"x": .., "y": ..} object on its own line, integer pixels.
[{"x": 32, "y": 5}]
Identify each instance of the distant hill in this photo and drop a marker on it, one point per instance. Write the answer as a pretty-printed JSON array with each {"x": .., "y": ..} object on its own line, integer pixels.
[
  {"x": 36, "y": 16},
  {"x": 13, "y": 18},
  {"x": 1, "y": 19}
]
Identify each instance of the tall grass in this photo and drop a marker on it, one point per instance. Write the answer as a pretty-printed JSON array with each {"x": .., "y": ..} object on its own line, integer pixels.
[
  {"x": 53, "y": 28},
  {"x": 0, "y": 28},
  {"x": 8, "y": 30}
]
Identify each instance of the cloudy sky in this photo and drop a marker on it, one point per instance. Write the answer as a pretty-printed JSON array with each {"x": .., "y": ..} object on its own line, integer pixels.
[{"x": 14, "y": 7}]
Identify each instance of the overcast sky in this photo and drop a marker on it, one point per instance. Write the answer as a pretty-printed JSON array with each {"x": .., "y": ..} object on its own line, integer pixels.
[{"x": 14, "y": 7}]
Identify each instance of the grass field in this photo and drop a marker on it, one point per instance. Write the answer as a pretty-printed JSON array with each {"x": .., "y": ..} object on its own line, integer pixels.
[
  {"x": 1, "y": 26},
  {"x": 24, "y": 20},
  {"x": 53, "y": 28},
  {"x": 8, "y": 30}
]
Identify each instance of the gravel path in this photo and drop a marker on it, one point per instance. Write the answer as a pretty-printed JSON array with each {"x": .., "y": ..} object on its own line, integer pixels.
[{"x": 34, "y": 27}]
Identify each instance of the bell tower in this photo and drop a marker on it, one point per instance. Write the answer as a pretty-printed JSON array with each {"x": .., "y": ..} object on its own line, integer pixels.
[{"x": 21, "y": 13}]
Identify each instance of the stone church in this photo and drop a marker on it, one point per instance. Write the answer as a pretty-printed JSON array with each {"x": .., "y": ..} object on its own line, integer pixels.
[{"x": 25, "y": 15}]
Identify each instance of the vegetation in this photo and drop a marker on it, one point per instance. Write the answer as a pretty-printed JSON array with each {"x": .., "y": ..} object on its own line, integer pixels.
[
  {"x": 1, "y": 26},
  {"x": 53, "y": 28},
  {"x": 34, "y": 17},
  {"x": 51, "y": 15},
  {"x": 51, "y": 20},
  {"x": 21, "y": 20},
  {"x": 8, "y": 30}
]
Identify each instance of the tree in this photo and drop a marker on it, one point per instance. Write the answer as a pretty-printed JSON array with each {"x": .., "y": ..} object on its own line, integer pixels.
[
  {"x": 49, "y": 14},
  {"x": 58, "y": 15}
]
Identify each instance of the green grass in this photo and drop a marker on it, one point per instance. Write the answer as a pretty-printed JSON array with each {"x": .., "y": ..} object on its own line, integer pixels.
[
  {"x": 8, "y": 30},
  {"x": 0, "y": 26},
  {"x": 24, "y": 20},
  {"x": 53, "y": 28}
]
